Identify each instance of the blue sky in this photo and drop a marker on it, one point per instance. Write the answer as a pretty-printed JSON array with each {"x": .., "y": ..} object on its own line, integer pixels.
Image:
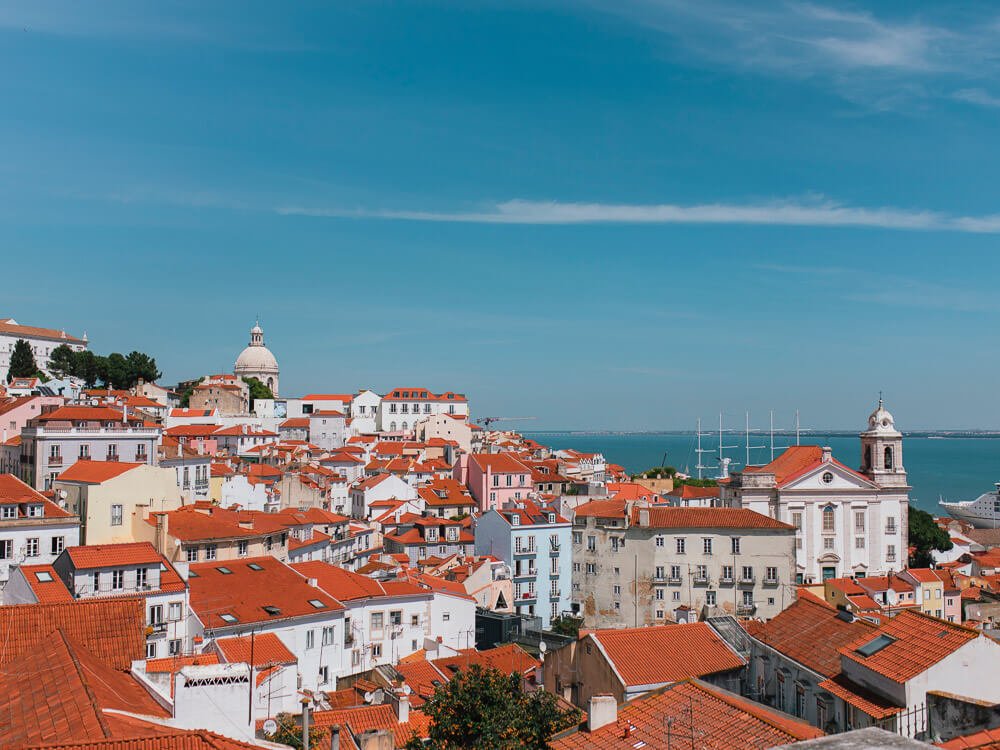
[{"x": 604, "y": 214}]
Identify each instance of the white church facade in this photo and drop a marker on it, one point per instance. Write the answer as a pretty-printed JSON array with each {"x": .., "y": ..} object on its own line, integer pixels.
[
  {"x": 257, "y": 361},
  {"x": 850, "y": 523}
]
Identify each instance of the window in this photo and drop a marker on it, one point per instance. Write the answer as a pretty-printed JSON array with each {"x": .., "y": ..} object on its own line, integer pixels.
[
  {"x": 680, "y": 545},
  {"x": 800, "y": 701},
  {"x": 706, "y": 545},
  {"x": 676, "y": 596},
  {"x": 141, "y": 576},
  {"x": 659, "y": 572},
  {"x": 242, "y": 547},
  {"x": 117, "y": 579},
  {"x": 890, "y": 525},
  {"x": 43, "y": 576},
  {"x": 116, "y": 515},
  {"x": 829, "y": 525},
  {"x": 31, "y": 547},
  {"x": 827, "y": 477},
  {"x": 780, "y": 697},
  {"x": 828, "y": 542},
  {"x": 771, "y": 574},
  {"x": 9, "y": 511},
  {"x": 701, "y": 572},
  {"x": 820, "y": 712},
  {"x": 797, "y": 520},
  {"x": 618, "y": 606},
  {"x": 659, "y": 595},
  {"x": 859, "y": 520},
  {"x": 151, "y": 650},
  {"x": 228, "y": 618},
  {"x": 747, "y": 574},
  {"x": 577, "y": 537},
  {"x": 591, "y": 543},
  {"x": 95, "y": 582},
  {"x": 324, "y": 675},
  {"x": 616, "y": 590},
  {"x": 859, "y": 542},
  {"x": 376, "y": 650},
  {"x": 174, "y": 611},
  {"x": 174, "y": 647},
  {"x": 591, "y": 569},
  {"x": 210, "y": 551},
  {"x": 747, "y": 598},
  {"x": 576, "y": 567},
  {"x": 377, "y": 618},
  {"x": 888, "y": 457},
  {"x": 192, "y": 554},
  {"x": 155, "y": 614},
  {"x": 710, "y": 598},
  {"x": 58, "y": 544},
  {"x": 327, "y": 636},
  {"x": 446, "y": 616},
  {"x": 727, "y": 572},
  {"x": 396, "y": 617},
  {"x": 890, "y": 553},
  {"x": 6, "y": 549},
  {"x": 734, "y": 545},
  {"x": 675, "y": 572},
  {"x": 84, "y": 450},
  {"x": 659, "y": 541}
]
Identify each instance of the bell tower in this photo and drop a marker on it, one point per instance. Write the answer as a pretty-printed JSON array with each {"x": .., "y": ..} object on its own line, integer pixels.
[{"x": 882, "y": 449}]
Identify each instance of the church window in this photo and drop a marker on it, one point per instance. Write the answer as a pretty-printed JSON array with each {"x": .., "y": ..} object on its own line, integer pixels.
[
  {"x": 827, "y": 477},
  {"x": 888, "y": 457},
  {"x": 868, "y": 457},
  {"x": 828, "y": 519}
]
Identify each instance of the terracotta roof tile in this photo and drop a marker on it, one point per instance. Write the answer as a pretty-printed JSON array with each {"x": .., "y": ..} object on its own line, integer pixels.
[
  {"x": 870, "y": 703},
  {"x": 46, "y": 584},
  {"x": 110, "y": 555},
  {"x": 95, "y": 472},
  {"x": 701, "y": 518},
  {"x": 267, "y": 649},
  {"x": 665, "y": 653}
]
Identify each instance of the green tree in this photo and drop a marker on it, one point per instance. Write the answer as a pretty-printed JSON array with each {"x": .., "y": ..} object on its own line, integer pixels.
[
  {"x": 62, "y": 361},
  {"x": 925, "y": 535},
  {"x": 257, "y": 390},
  {"x": 289, "y": 732},
  {"x": 566, "y": 625},
  {"x": 22, "y": 361},
  {"x": 486, "y": 709},
  {"x": 141, "y": 366},
  {"x": 113, "y": 371},
  {"x": 86, "y": 366}
]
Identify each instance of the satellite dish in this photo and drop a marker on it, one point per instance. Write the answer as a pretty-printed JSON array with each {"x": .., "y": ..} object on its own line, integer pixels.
[
  {"x": 407, "y": 689},
  {"x": 542, "y": 646},
  {"x": 270, "y": 726},
  {"x": 62, "y": 494}
]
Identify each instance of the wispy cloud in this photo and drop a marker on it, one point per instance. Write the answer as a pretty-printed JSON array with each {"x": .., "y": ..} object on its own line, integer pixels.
[
  {"x": 872, "y": 58},
  {"x": 977, "y": 96},
  {"x": 776, "y": 213}
]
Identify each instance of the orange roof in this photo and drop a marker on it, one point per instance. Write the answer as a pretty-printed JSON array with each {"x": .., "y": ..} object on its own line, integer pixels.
[
  {"x": 113, "y": 630},
  {"x": 173, "y": 664},
  {"x": 329, "y": 397},
  {"x": 610, "y": 508},
  {"x": 13, "y": 490},
  {"x": 35, "y": 713},
  {"x": 295, "y": 422},
  {"x": 508, "y": 658},
  {"x": 243, "y": 592},
  {"x": 689, "y": 492},
  {"x": 630, "y": 491},
  {"x": 916, "y": 642},
  {"x": 665, "y": 653},
  {"x": 10, "y": 327},
  {"x": 111, "y": 555},
  {"x": 811, "y": 633},
  {"x": 719, "y": 719},
  {"x": 95, "y": 472},
  {"x": 700, "y": 518},
  {"x": 46, "y": 583},
  {"x": 266, "y": 649},
  {"x": 924, "y": 575},
  {"x": 346, "y": 586},
  {"x": 987, "y": 739},
  {"x": 870, "y": 703},
  {"x": 85, "y": 414},
  {"x": 796, "y": 461},
  {"x": 499, "y": 463}
]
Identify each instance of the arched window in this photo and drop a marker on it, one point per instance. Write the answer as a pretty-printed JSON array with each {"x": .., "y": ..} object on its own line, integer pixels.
[
  {"x": 868, "y": 457},
  {"x": 392, "y": 427},
  {"x": 888, "y": 457},
  {"x": 829, "y": 523},
  {"x": 405, "y": 426}
]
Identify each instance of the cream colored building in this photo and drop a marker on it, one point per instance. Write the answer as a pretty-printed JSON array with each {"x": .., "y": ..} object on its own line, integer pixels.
[
  {"x": 447, "y": 427},
  {"x": 256, "y": 361},
  {"x": 112, "y": 498}
]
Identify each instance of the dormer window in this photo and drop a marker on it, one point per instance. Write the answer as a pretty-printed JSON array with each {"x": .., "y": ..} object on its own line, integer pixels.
[
  {"x": 515, "y": 520},
  {"x": 8, "y": 511},
  {"x": 552, "y": 517}
]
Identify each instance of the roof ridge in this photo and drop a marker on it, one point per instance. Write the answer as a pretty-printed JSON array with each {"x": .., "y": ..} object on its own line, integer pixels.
[
  {"x": 88, "y": 691},
  {"x": 747, "y": 706}
]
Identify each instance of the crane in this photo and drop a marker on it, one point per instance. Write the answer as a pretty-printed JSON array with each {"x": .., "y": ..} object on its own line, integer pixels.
[{"x": 487, "y": 421}]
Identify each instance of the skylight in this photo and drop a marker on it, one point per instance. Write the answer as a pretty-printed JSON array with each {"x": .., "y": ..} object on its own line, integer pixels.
[
  {"x": 227, "y": 617},
  {"x": 876, "y": 644},
  {"x": 44, "y": 576},
  {"x": 254, "y": 566},
  {"x": 224, "y": 570},
  {"x": 317, "y": 604},
  {"x": 272, "y": 610}
]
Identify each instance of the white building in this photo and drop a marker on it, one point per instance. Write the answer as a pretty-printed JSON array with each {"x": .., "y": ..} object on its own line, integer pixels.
[
  {"x": 850, "y": 523},
  {"x": 536, "y": 542},
  {"x": 256, "y": 361},
  {"x": 328, "y": 429},
  {"x": 402, "y": 408},
  {"x": 364, "y": 412},
  {"x": 33, "y": 529},
  {"x": 41, "y": 340},
  {"x": 375, "y": 488}
]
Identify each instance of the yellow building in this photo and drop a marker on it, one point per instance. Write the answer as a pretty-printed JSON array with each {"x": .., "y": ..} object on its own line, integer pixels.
[{"x": 112, "y": 497}]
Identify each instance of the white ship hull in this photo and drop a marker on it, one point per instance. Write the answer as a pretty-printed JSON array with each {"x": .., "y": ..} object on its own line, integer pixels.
[{"x": 982, "y": 513}]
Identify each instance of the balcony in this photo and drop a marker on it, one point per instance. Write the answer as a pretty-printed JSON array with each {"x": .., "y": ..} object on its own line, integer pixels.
[
  {"x": 745, "y": 610},
  {"x": 55, "y": 460},
  {"x": 528, "y": 596},
  {"x": 747, "y": 580},
  {"x": 527, "y": 550},
  {"x": 526, "y": 573},
  {"x": 726, "y": 580},
  {"x": 554, "y": 594},
  {"x": 891, "y": 529},
  {"x": 701, "y": 580},
  {"x": 676, "y": 580},
  {"x": 770, "y": 580},
  {"x": 111, "y": 457},
  {"x": 156, "y": 628}
]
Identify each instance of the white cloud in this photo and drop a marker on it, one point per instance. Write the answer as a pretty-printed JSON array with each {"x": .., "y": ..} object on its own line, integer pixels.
[
  {"x": 977, "y": 96},
  {"x": 775, "y": 213}
]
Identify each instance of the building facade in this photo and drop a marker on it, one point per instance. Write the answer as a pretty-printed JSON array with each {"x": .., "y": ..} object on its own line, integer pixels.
[
  {"x": 257, "y": 361},
  {"x": 635, "y": 565},
  {"x": 41, "y": 340},
  {"x": 850, "y": 523}
]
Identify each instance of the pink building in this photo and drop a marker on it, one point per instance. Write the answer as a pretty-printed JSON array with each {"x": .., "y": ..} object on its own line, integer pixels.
[
  {"x": 15, "y": 412},
  {"x": 496, "y": 478}
]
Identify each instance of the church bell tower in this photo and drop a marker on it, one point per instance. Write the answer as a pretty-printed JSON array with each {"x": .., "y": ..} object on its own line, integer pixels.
[{"x": 882, "y": 450}]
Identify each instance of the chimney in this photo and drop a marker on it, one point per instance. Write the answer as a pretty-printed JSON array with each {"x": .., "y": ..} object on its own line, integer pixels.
[
  {"x": 335, "y": 737},
  {"x": 313, "y": 582},
  {"x": 401, "y": 705},
  {"x": 827, "y": 454},
  {"x": 376, "y": 739},
  {"x": 644, "y": 517},
  {"x": 161, "y": 532},
  {"x": 603, "y": 710}
]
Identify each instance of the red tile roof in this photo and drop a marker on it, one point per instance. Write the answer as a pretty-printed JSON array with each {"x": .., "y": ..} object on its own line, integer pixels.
[
  {"x": 13, "y": 490},
  {"x": 987, "y": 739},
  {"x": 111, "y": 555},
  {"x": 812, "y": 633},
  {"x": 610, "y": 508},
  {"x": 499, "y": 463},
  {"x": 68, "y": 703},
  {"x": 152, "y": 738},
  {"x": 50, "y": 590},
  {"x": 690, "y": 492},
  {"x": 85, "y": 414},
  {"x": 665, "y": 653},
  {"x": 717, "y": 718},
  {"x": 796, "y": 461},
  {"x": 872, "y": 704},
  {"x": 95, "y": 472},
  {"x": 12, "y": 328},
  {"x": 345, "y": 586},
  {"x": 704, "y": 518},
  {"x": 630, "y": 491},
  {"x": 244, "y": 592},
  {"x": 267, "y": 649},
  {"x": 508, "y": 658},
  {"x": 919, "y": 642}
]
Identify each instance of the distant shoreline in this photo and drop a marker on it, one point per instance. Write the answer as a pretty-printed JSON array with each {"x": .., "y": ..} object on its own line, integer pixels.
[{"x": 943, "y": 434}]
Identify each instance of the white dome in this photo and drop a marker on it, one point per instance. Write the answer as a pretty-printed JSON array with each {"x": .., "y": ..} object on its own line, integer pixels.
[
  {"x": 256, "y": 359},
  {"x": 881, "y": 421}
]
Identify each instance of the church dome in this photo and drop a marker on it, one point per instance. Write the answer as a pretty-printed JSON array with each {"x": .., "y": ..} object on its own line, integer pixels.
[
  {"x": 881, "y": 420},
  {"x": 256, "y": 359}
]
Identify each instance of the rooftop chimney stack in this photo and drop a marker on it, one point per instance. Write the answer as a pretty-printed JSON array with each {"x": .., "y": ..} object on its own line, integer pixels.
[
  {"x": 827, "y": 454},
  {"x": 603, "y": 711}
]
